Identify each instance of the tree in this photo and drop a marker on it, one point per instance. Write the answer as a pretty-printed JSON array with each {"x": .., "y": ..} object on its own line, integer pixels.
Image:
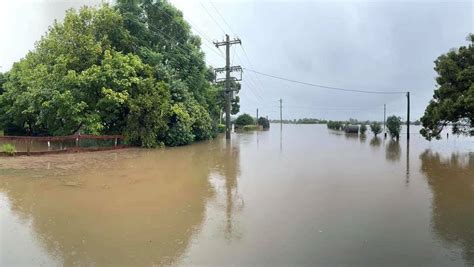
[
  {"x": 375, "y": 128},
  {"x": 263, "y": 122},
  {"x": 362, "y": 129},
  {"x": 133, "y": 69},
  {"x": 244, "y": 119},
  {"x": 394, "y": 126},
  {"x": 453, "y": 100}
]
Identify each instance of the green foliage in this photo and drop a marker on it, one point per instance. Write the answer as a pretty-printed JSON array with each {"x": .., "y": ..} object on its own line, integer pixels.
[
  {"x": 9, "y": 149},
  {"x": 244, "y": 119},
  {"x": 394, "y": 126},
  {"x": 453, "y": 100},
  {"x": 221, "y": 128},
  {"x": 376, "y": 128},
  {"x": 108, "y": 70},
  {"x": 180, "y": 127},
  {"x": 362, "y": 128},
  {"x": 263, "y": 122},
  {"x": 335, "y": 125}
]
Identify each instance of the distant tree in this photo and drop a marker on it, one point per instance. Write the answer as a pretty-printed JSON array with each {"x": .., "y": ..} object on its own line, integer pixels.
[
  {"x": 264, "y": 122},
  {"x": 453, "y": 101},
  {"x": 244, "y": 119},
  {"x": 362, "y": 128},
  {"x": 376, "y": 128},
  {"x": 394, "y": 126}
]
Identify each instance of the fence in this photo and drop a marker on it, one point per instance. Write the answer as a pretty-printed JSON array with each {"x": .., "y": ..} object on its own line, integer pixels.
[{"x": 39, "y": 145}]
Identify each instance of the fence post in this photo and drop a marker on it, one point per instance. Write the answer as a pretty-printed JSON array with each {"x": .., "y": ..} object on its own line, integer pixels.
[
  {"x": 77, "y": 140},
  {"x": 115, "y": 144}
]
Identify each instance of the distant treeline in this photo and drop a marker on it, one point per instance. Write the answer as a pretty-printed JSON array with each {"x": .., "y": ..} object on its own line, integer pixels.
[{"x": 321, "y": 121}]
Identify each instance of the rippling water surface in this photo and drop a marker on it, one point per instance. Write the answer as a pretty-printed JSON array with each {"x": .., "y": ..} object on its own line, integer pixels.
[{"x": 302, "y": 195}]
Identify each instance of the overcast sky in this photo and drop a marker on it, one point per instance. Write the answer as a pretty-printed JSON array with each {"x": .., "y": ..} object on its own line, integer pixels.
[{"x": 364, "y": 45}]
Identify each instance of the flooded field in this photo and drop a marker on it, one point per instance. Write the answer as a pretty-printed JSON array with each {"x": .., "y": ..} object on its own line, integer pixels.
[{"x": 304, "y": 195}]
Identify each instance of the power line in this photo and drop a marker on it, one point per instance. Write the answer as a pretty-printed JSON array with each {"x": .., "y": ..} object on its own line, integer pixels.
[
  {"x": 325, "y": 86},
  {"x": 222, "y": 17},
  {"x": 212, "y": 17}
]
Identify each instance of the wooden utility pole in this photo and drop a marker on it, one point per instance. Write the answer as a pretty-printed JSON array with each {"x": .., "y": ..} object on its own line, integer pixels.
[
  {"x": 228, "y": 91},
  {"x": 408, "y": 115},
  {"x": 256, "y": 122},
  {"x": 281, "y": 117},
  {"x": 384, "y": 117}
]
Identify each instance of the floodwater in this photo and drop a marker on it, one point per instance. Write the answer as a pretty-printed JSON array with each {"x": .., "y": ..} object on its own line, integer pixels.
[{"x": 302, "y": 195}]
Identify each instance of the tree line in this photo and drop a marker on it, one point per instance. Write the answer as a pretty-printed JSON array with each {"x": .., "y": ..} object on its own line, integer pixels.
[{"x": 133, "y": 68}]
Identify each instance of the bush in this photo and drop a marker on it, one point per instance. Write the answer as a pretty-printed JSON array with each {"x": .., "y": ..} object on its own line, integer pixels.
[
  {"x": 263, "y": 122},
  {"x": 335, "y": 125},
  {"x": 376, "y": 128},
  {"x": 180, "y": 128},
  {"x": 221, "y": 128},
  {"x": 244, "y": 119},
  {"x": 362, "y": 129},
  {"x": 9, "y": 149},
  {"x": 250, "y": 127},
  {"x": 394, "y": 126}
]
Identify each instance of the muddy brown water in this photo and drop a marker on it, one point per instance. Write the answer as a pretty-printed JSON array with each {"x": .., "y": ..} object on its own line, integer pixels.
[{"x": 301, "y": 196}]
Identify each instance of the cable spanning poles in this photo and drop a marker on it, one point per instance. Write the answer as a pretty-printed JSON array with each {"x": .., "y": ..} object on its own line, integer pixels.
[
  {"x": 228, "y": 92},
  {"x": 325, "y": 86}
]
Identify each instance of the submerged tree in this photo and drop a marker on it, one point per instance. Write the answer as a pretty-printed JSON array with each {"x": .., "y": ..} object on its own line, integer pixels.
[
  {"x": 362, "y": 129},
  {"x": 375, "y": 128},
  {"x": 394, "y": 126},
  {"x": 453, "y": 101}
]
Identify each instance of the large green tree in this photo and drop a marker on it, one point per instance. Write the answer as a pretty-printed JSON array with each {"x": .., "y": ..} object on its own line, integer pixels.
[
  {"x": 453, "y": 100},
  {"x": 134, "y": 68}
]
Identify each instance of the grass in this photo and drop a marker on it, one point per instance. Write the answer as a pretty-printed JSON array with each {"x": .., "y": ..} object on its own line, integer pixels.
[{"x": 9, "y": 149}]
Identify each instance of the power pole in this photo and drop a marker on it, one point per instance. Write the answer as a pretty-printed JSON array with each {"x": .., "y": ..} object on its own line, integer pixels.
[
  {"x": 228, "y": 69},
  {"x": 408, "y": 115},
  {"x": 384, "y": 117},
  {"x": 257, "y": 117},
  {"x": 281, "y": 118}
]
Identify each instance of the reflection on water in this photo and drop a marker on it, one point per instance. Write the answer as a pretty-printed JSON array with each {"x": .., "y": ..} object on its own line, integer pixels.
[
  {"x": 140, "y": 211},
  {"x": 327, "y": 199},
  {"x": 375, "y": 141},
  {"x": 393, "y": 150},
  {"x": 452, "y": 181}
]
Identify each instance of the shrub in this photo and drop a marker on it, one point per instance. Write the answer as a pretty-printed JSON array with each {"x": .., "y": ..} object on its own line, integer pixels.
[
  {"x": 362, "y": 129},
  {"x": 376, "y": 128},
  {"x": 9, "y": 149},
  {"x": 221, "y": 128},
  {"x": 335, "y": 125},
  {"x": 394, "y": 126},
  {"x": 244, "y": 119},
  {"x": 263, "y": 122},
  {"x": 180, "y": 128}
]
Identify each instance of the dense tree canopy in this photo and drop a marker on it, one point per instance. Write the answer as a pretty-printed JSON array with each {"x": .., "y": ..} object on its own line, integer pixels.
[
  {"x": 134, "y": 68},
  {"x": 453, "y": 101},
  {"x": 394, "y": 126}
]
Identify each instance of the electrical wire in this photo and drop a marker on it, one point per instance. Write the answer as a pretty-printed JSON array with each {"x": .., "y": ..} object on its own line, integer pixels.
[{"x": 324, "y": 86}]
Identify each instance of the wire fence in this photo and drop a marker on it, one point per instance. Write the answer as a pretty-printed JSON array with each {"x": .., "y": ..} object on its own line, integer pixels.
[{"x": 40, "y": 145}]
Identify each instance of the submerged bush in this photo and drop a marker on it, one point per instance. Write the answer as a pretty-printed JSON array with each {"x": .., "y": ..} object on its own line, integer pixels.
[
  {"x": 9, "y": 149},
  {"x": 221, "y": 128},
  {"x": 376, "y": 128},
  {"x": 394, "y": 126},
  {"x": 263, "y": 122},
  {"x": 362, "y": 129},
  {"x": 244, "y": 119},
  {"x": 335, "y": 125}
]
